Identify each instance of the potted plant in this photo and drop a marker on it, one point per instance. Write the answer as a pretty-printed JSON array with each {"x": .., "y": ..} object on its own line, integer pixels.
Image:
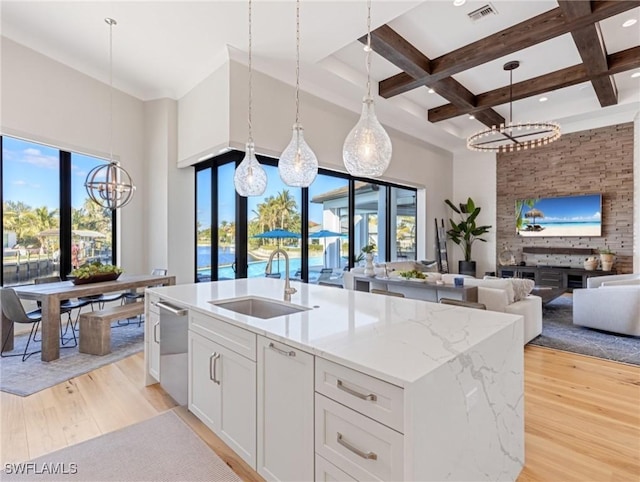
[
  {"x": 606, "y": 258},
  {"x": 368, "y": 250},
  {"x": 465, "y": 232}
]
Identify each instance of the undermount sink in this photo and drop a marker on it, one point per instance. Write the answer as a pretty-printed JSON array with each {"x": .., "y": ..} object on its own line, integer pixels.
[{"x": 259, "y": 307}]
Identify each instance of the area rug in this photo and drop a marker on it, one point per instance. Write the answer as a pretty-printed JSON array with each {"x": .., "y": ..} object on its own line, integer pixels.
[
  {"x": 31, "y": 376},
  {"x": 559, "y": 332},
  {"x": 163, "y": 448}
]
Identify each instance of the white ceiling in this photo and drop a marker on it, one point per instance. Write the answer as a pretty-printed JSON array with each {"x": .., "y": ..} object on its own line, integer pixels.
[{"x": 165, "y": 48}]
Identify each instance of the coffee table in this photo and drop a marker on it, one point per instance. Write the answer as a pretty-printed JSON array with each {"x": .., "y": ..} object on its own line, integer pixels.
[{"x": 548, "y": 293}]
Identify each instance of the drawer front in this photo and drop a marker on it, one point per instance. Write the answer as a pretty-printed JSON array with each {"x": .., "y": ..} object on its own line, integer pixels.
[
  {"x": 240, "y": 341},
  {"x": 368, "y": 395},
  {"x": 361, "y": 447},
  {"x": 327, "y": 472}
]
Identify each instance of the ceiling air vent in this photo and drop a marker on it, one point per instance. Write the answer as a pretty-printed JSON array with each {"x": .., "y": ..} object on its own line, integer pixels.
[{"x": 482, "y": 12}]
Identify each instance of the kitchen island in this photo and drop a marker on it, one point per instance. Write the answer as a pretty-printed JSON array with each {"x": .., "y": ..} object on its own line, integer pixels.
[{"x": 353, "y": 386}]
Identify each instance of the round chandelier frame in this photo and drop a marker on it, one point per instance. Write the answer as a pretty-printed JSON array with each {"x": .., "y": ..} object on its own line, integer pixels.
[{"x": 514, "y": 136}]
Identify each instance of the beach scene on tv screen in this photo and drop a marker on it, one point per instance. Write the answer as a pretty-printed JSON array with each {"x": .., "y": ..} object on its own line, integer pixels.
[{"x": 559, "y": 216}]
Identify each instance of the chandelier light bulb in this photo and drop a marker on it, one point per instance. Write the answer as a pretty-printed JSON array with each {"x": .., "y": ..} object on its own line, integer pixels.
[
  {"x": 250, "y": 179},
  {"x": 298, "y": 165},
  {"x": 367, "y": 148}
]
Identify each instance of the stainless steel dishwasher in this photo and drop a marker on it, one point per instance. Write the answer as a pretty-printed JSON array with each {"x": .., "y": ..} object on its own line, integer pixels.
[{"x": 174, "y": 325}]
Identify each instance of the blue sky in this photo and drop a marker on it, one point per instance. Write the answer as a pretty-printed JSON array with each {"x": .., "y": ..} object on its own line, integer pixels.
[
  {"x": 31, "y": 174},
  {"x": 570, "y": 208},
  {"x": 226, "y": 193}
]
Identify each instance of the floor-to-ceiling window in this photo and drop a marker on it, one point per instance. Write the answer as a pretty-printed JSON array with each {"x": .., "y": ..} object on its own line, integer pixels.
[
  {"x": 328, "y": 227},
  {"x": 49, "y": 225},
  {"x": 274, "y": 221},
  {"x": 322, "y": 228}
]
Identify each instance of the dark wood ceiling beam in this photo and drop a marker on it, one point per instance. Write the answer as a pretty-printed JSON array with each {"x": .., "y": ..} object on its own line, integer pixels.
[
  {"x": 592, "y": 52},
  {"x": 390, "y": 45},
  {"x": 393, "y": 47},
  {"x": 619, "y": 62},
  {"x": 538, "y": 29}
]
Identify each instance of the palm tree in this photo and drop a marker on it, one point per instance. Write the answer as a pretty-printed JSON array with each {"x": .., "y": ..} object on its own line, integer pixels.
[{"x": 286, "y": 206}]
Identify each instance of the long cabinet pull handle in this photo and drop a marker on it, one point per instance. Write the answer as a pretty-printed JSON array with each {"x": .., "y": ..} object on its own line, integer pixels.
[
  {"x": 213, "y": 362},
  {"x": 282, "y": 352},
  {"x": 355, "y": 450},
  {"x": 155, "y": 332},
  {"x": 370, "y": 397}
]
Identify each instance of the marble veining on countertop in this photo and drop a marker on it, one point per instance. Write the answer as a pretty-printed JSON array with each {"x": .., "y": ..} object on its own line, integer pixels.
[{"x": 396, "y": 339}]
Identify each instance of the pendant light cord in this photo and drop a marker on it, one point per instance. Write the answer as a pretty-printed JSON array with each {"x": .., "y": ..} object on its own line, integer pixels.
[
  {"x": 511, "y": 96},
  {"x": 250, "y": 76},
  {"x": 368, "y": 49},
  {"x": 111, "y": 23},
  {"x": 297, "y": 62}
]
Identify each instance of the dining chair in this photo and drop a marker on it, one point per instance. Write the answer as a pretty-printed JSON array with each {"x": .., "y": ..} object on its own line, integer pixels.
[
  {"x": 66, "y": 306},
  {"x": 135, "y": 296},
  {"x": 15, "y": 312}
]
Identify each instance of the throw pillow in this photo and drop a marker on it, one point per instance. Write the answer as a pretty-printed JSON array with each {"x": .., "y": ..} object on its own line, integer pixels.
[{"x": 521, "y": 288}]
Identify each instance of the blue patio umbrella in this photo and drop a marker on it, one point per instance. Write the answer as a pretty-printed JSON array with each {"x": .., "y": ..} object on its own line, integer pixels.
[
  {"x": 278, "y": 234},
  {"x": 325, "y": 233}
]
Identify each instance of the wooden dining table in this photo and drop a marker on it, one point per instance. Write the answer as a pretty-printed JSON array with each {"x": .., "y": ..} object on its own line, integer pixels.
[{"x": 50, "y": 294}]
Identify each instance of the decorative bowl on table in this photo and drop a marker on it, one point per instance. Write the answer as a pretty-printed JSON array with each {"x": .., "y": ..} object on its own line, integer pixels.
[{"x": 96, "y": 278}]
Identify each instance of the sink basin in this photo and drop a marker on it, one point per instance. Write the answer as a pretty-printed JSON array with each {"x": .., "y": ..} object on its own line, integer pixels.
[{"x": 259, "y": 307}]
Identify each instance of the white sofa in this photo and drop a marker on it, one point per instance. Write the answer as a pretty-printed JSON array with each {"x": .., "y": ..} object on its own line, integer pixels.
[
  {"x": 496, "y": 294},
  {"x": 508, "y": 295},
  {"x": 610, "y": 303}
]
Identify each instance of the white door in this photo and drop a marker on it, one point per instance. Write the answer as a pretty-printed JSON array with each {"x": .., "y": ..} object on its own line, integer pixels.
[
  {"x": 222, "y": 393},
  {"x": 285, "y": 412}
]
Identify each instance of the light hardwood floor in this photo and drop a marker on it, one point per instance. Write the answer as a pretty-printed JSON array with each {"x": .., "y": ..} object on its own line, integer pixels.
[{"x": 582, "y": 416}]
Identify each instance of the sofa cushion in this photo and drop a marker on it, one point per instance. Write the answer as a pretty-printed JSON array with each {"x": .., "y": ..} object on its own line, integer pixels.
[
  {"x": 500, "y": 284},
  {"x": 629, "y": 282}
]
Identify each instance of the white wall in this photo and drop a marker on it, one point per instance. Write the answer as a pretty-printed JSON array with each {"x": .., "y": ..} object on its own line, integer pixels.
[
  {"x": 48, "y": 102},
  {"x": 474, "y": 175},
  {"x": 636, "y": 193},
  {"x": 203, "y": 118}
]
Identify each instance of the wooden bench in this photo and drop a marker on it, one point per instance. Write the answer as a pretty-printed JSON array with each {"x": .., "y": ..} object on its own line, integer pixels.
[{"x": 95, "y": 327}]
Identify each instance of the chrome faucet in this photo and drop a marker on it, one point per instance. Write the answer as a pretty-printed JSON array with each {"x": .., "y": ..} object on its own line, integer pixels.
[{"x": 288, "y": 290}]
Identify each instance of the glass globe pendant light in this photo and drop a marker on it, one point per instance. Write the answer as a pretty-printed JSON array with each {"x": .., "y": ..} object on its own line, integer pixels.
[
  {"x": 110, "y": 185},
  {"x": 250, "y": 179},
  {"x": 298, "y": 165},
  {"x": 367, "y": 149}
]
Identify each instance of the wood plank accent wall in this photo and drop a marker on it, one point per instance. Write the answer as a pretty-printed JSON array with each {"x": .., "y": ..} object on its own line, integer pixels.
[{"x": 586, "y": 162}]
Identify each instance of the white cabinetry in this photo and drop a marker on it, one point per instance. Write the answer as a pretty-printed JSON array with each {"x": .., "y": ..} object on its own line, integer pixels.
[
  {"x": 152, "y": 338},
  {"x": 285, "y": 412},
  {"x": 362, "y": 435},
  {"x": 222, "y": 390}
]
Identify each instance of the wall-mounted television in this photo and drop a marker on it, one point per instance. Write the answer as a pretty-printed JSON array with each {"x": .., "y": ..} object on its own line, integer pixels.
[{"x": 560, "y": 216}]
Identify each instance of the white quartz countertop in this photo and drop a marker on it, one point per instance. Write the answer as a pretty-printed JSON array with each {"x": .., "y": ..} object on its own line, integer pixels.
[{"x": 395, "y": 339}]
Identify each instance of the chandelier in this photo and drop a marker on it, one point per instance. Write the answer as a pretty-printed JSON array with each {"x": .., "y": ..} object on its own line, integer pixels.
[
  {"x": 250, "y": 179},
  {"x": 514, "y": 136},
  {"x": 367, "y": 149},
  {"x": 298, "y": 165},
  {"x": 110, "y": 185}
]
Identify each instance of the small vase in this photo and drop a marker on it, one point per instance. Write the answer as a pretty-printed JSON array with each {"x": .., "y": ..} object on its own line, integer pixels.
[{"x": 369, "y": 269}]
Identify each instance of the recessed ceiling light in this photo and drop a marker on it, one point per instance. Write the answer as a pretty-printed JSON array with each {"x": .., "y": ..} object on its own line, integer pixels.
[
  {"x": 431, "y": 91},
  {"x": 543, "y": 99},
  {"x": 635, "y": 75},
  {"x": 630, "y": 22},
  {"x": 459, "y": 3},
  {"x": 471, "y": 116}
]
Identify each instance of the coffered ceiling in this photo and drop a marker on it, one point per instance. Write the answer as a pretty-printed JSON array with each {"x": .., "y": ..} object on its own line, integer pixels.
[{"x": 576, "y": 54}]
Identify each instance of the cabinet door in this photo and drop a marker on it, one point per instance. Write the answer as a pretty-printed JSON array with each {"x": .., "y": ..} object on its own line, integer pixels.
[
  {"x": 285, "y": 412},
  {"x": 222, "y": 393},
  {"x": 204, "y": 392},
  {"x": 152, "y": 324}
]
